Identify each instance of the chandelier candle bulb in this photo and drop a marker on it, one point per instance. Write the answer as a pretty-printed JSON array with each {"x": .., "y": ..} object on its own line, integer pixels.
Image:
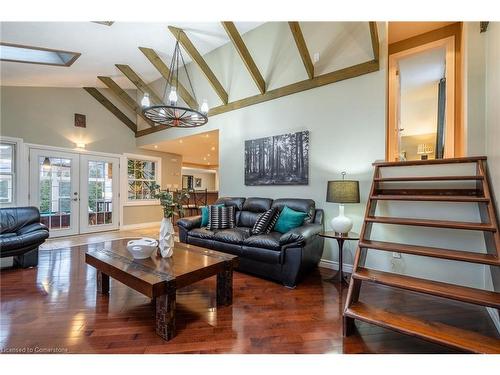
[
  {"x": 172, "y": 97},
  {"x": 169, "y": 113},
  {"x": 145, "y": 100},
  {"x": 204, "y": 107}
]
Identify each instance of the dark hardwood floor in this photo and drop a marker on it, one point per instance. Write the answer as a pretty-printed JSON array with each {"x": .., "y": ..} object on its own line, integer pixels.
[{"x": 54, "y": 307}]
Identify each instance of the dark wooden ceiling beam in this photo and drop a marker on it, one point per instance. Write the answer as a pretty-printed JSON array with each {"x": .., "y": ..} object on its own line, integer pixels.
[
  {"x": 324, "y": 79},
  {"x": 125, "y": 98},
  {"x": 375, "y": 40},
  {"x": 139, "y": 83},
  {"x": 183, "y": 39},
  {"x": 302, "y": 47},
  {"x": 165, "y": 72},
  {"x": 242, "y": 49},
  {"x": 111, "y": 107}
]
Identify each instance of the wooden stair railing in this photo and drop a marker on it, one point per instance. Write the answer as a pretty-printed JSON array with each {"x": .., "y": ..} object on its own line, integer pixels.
[{"x": 428, "y": 330}]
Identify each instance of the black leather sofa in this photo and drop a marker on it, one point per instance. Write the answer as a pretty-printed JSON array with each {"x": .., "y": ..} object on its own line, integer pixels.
[
  {"x": 20, "y": 235},
  {"x": 281, "y": 257}
]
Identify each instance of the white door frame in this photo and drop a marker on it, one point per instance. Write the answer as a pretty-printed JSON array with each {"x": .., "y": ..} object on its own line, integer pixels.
[
  {"x": 84, "y": 196},
  {"x": 34, "y": 196},
  {"x": 394, "y": 94},
  {"x": 27, "y": 150}
]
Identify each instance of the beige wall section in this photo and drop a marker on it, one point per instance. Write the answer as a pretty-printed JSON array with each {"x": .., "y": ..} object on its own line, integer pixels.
[
  {"x": 474, "y": 88},
  {"x": 493, "y": 132},
  {"x": 46, "y": 116},
  {"x": 207, "y": 179}
]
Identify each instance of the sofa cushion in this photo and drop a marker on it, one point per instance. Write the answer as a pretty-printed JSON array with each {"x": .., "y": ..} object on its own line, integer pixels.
[
  {"x": 230, "y": 201},
  {"x": 220, "y": 217},
  {"x": 257, "y": 204},
  {"x": 265, "y": 222},
  {"x": 289, "y": 219},
  {"x": 202, "y": 233},
  {"x": 235, "y": 235},
  {"x": 262, "y": 255},
  {"x": 302, "y": 205},
  {"x": 267, "y": 241},
  {"x": 204, "y": 215}
]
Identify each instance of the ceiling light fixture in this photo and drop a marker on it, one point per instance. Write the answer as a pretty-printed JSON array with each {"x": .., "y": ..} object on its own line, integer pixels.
[{"x": 170, "y": 113}]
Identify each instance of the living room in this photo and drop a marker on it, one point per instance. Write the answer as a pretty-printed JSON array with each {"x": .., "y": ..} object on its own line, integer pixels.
[{"x": 209, "y": 187}]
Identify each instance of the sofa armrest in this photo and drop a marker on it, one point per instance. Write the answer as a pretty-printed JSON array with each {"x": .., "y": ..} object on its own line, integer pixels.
[
  {"x": 301, "y": 235},
  {"x": 190, "y": 222},
  {"x": 32, "y": 228}
]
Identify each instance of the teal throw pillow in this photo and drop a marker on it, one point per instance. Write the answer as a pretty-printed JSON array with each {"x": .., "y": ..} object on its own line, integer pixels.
[
  {"x": 289, "y": 219},
  {"x": 204, "y": 214}
]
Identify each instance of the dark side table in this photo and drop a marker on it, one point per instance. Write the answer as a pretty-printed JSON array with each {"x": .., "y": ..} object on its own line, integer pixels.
[{"x": 341, "y": 238}]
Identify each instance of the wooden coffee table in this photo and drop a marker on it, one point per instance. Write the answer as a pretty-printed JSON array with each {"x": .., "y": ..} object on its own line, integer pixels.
[{"x": 159, "y": 278}]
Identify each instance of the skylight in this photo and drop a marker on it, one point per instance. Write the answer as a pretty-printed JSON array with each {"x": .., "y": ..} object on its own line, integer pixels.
[{"x": 36, "y": 55}]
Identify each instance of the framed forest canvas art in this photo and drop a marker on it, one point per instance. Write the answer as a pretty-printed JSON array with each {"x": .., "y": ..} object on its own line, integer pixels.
[{"x": 278, "y": 160}]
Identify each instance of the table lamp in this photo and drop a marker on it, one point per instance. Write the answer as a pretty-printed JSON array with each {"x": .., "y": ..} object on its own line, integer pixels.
[{"x": 342, "y": 191}]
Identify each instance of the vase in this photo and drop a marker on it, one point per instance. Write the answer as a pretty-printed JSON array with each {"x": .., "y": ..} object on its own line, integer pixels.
[{"x": 166, "y": 240}]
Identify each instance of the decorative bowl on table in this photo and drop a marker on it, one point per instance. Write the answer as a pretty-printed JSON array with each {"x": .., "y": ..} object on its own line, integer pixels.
[{"x": 142, "y": 248}]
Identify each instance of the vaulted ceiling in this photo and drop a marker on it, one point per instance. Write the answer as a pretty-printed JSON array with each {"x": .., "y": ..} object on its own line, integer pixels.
[{"x": 102, "y": 47}]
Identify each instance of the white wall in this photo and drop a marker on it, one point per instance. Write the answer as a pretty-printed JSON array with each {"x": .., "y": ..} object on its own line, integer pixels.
[{"x": 207, "y": 178}]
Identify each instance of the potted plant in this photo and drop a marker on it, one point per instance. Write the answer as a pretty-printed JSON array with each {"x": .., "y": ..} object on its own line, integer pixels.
[{"x": 172, "y": 206}]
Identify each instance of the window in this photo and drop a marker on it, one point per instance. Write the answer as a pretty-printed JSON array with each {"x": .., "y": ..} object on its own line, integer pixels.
[
  {"x": 141, "y": 175},
  {"x": 36, "y": 55},
  {"x": 7, "y": 172}
]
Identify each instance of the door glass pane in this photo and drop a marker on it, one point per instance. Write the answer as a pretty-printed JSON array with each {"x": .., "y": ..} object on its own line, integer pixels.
[
  {"x": 100, "y": 182},
  {"x": 55, "y": 191}
]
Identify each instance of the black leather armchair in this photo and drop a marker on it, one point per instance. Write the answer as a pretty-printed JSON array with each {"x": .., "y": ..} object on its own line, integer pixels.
[
  {"x": 282, "y": 257},
  {"x": 21, "y": 233}
]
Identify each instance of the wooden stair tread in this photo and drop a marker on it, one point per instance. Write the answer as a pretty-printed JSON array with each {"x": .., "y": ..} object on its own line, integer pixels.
[
  {"x": 431, "y": 331},
  {"x": 464, "y": 160},
  {"x": 436, "y": 288},
  {"x": 428, "y": 197},
  {"x": 432, "y": 223},
  {"x": 434, "y": 252},
  {"x": 427, "y": 178}
]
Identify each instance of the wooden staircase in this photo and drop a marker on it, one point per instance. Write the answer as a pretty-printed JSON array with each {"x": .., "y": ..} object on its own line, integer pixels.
[{"x": 428, "y": 330}]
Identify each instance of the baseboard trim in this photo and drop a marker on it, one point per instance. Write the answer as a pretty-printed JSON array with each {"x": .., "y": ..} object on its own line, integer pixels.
[
  {"x": 333, "y": 265},
  {"x": 494, "y": 314},
  {"x": 140, "y": 225}
]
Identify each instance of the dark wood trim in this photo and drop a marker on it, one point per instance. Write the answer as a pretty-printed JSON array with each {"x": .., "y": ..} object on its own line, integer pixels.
[
  {"x": 111, "y": 107},
  {"x": 139, "y": 83},
  {"x": 302, "y": 47},
  {"x": 375, "y": 40},
  {"x": 125, "y": 98},
  {"x": 183, "y": 39},
  {"x": 242, "y": 49},
  {"x": 165, "y": 72},
  {"x": 67, "y": 64},
  {"x": 324, "y": 79},
  {"x": 467, "y": 159}
]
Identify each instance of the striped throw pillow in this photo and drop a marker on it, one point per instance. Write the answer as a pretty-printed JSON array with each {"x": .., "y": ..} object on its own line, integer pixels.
[
  {"x": 221, "y": 217},
  {"x": 265, "y": 222}
]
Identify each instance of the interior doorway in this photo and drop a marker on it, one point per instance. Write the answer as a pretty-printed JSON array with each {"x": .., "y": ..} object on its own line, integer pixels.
[
  {"x": 75, "y": 193},
  {"x": 424, "y": 120}
]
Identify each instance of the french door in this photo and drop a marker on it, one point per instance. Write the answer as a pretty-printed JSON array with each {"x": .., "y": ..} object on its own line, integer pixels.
[
  {"x": 74, "y": 193},
  {"x": 99, "y": 204}
]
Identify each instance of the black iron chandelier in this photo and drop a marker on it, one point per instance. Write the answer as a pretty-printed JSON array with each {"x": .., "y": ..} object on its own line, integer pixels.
[{"x": 171, "y": 114}]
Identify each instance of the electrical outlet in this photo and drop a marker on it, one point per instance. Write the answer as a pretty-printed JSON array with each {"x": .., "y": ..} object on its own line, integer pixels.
[
  {"x": 396, "y": 255},
  {"x": 316, "y": 57}
]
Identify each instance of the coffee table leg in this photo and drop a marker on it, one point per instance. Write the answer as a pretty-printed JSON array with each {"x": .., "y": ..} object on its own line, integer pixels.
[
  {"x": 102, "y": 282},
  {"x": 225, "y": 286},
  {"x": 165, "y": 315}
]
